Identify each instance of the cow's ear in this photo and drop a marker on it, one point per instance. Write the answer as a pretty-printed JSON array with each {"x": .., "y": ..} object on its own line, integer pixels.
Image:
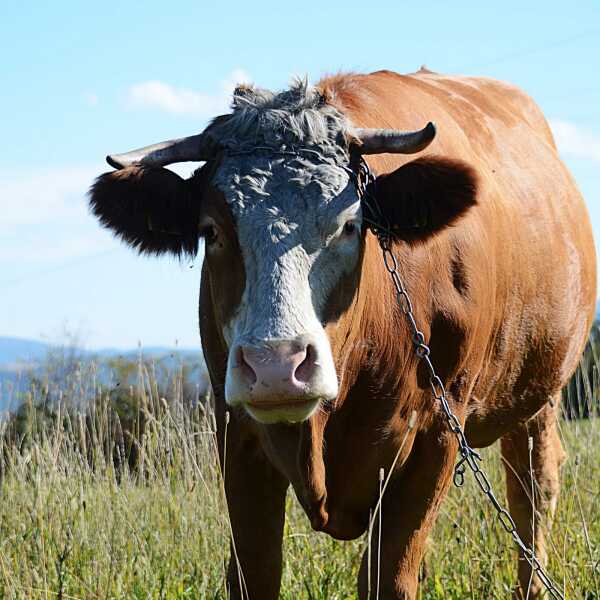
[
  {"x": 425, "y": 196},
  {"x": 151, "y": 209}
]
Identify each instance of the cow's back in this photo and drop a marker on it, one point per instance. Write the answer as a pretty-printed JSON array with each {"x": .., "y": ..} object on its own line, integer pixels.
[{"x": 517, "y": 276}]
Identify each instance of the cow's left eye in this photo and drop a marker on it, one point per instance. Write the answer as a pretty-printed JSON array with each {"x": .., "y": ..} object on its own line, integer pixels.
[{"x": 350, "y": 228}]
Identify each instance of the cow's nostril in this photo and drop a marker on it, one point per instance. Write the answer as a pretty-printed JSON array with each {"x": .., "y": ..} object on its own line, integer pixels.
[
  {"x": 246, "y": 370},
  {"x": 306, "y": 368}
]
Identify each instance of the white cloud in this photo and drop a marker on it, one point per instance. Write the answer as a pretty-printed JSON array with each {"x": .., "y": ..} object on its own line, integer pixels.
[
  {"x": 45, "y": 217},
  {"x": 575, "y": 141},
  {"x": 56, "y": 247},
  {"x": 44, "y": 196},
  {"x": 91, "y": 99},
  {"x": 183, "y": 101}
]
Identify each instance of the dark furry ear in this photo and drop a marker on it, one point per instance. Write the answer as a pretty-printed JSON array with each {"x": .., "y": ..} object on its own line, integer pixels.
[
  {"x": 152, "y": 209},
  {"x": 425, "y": 196}
]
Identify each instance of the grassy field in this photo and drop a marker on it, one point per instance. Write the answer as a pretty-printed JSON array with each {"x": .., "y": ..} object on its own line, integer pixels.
[{"x": 68, "y": 530}]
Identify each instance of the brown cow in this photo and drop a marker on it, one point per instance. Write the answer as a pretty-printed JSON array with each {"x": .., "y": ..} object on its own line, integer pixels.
[{"x": 299, "y": 321}]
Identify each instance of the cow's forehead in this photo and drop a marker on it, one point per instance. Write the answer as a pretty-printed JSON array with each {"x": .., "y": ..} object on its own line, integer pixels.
[
  {"x": 286, "y": 189},
  {"x": 285, "y": 160}
]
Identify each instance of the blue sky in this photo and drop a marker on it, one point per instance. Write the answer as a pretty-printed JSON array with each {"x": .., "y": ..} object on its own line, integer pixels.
[{"x": 80, "y": 80}]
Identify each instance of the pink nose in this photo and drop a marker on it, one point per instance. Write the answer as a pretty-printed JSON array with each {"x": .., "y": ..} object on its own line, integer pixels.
[{"x": 278, "y": 369}]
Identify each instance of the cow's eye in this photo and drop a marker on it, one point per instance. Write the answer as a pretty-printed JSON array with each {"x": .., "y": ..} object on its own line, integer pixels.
[
  {"x": 210, "y": 233},
  {"x": 350, "y": 228}
]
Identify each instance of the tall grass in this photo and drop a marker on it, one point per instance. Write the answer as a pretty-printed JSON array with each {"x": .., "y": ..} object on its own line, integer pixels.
[{"x": 77, "y": 520}]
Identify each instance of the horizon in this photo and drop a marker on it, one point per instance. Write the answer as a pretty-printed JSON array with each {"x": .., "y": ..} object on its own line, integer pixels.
[
  {"x": 70, "y": 343},
  {"x": 94, "y": 84}
]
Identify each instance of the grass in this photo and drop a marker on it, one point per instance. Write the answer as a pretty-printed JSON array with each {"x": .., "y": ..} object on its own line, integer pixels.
[{"x": 71, "y": 526}]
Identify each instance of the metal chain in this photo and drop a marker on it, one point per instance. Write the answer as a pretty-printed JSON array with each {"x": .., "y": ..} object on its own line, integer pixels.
[{"x": 468, "y": 456}]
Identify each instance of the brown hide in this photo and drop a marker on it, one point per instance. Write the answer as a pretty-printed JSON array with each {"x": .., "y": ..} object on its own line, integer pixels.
[
  {"x": 512, "y": 286},
  {"x": 505, "y": 298}
]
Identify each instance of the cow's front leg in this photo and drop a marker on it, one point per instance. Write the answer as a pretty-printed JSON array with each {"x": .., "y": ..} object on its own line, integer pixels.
[
  {"x": 255, "y": 494},
  {"x": 410, "y": 507},
  {"x": 533, "y": 482}
]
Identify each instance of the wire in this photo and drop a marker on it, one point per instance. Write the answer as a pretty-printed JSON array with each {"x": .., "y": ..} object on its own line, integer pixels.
[
  {"x": 537, "y": 50},
  {"x": 64, "y": 266},
  {"x": 76, "y": 262}
]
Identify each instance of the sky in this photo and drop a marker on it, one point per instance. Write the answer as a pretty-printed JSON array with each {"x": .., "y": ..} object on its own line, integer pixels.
[{"x": 80, "y": 80}]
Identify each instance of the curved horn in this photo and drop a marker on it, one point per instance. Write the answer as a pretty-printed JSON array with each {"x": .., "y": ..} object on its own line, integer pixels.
[
  {"x": 192, "y": 148},
  {"x": 378, "y": 141}
]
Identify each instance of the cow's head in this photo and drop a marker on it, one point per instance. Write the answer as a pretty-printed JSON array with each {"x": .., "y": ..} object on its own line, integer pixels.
[{"x": 279, "y": 210}]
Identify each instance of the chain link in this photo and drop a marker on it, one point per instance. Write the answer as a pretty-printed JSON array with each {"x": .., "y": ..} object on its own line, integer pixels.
[{"x": 468, "y": 456}]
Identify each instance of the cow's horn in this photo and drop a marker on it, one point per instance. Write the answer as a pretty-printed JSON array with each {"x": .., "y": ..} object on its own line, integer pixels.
[
  {"x": 378, "y": 141},
  {"x": 192, "y": 148}
]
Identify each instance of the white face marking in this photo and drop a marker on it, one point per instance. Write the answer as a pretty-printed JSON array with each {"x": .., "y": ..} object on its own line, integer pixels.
[{"x": 291, "y": 223}]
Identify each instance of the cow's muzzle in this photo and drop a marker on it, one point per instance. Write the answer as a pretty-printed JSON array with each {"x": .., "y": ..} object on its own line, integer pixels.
[{"x": 282, "y": 380}]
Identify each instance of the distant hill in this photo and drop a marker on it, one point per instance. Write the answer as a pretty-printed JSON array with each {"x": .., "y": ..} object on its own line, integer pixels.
[
  {"x": 17, "y": 350},
  {"x": 20, "y": 359}
]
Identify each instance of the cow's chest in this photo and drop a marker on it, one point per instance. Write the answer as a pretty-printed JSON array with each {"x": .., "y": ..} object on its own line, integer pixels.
[{"x": 334, "y": 470}]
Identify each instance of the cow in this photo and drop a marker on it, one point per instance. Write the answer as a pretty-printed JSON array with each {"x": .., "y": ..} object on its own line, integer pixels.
[{"x": 311, "y": 359}]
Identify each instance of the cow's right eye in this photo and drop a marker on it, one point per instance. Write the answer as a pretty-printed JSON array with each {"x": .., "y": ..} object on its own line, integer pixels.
[
  {"x": 209, "y": 233},
  {"x": 350, "y": 228}
]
